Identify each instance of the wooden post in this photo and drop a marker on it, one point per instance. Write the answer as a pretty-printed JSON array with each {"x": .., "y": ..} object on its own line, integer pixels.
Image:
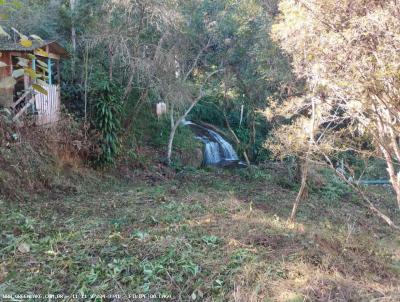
[
  {"x": 11, "y": 64},
  {"x": 58, "y": 72},
  {"x": 26, "y": 82},
  {"x": 49, "y": 71},
  {"x": 33, "y": 95}
]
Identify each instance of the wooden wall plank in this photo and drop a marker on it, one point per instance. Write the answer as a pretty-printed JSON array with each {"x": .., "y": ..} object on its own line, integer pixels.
[{"x": 48, "y": 107}]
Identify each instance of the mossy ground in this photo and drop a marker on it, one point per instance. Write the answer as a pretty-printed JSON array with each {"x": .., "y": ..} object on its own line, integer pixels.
[{"x": 197, "y": 236}]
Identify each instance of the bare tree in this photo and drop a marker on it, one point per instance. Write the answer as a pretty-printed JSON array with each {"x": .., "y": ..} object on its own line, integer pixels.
[
  {"x": 73, "y": 5},
  {"x": 192, "y": 103},
  {"x": 350, "y": 52}
]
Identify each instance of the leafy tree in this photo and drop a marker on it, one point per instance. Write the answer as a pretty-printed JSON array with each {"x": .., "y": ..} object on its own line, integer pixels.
[
  {"x": 347, "y": 52},
  {"x": 254, "y": 67}
]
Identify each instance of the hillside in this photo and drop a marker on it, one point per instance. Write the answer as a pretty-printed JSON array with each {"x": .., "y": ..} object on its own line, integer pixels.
[
  {"x": 200, "y": 236},
  {"x": 199, "y": 150}
]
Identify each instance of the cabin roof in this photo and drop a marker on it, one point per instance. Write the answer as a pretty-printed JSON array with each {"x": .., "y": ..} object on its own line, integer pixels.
[{"x": 55, "y": 47}]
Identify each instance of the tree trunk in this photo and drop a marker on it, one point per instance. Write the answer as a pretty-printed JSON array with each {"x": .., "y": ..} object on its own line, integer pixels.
[
  {"x": 394, "y": 178},
  {"x": 111, "y": 62},
  {"x": 385, "y": 143},
  {"x": 128, "y": 88},
  {"x": 72, "y": 4},
  {"x": 174, "y": 127},
  {"x": 253, "y": 128},
  {"x": 86, "y": 63},
  {"x": 171, "y": 142},
  {"x": 302, "y": 192},
  {"x": 241, "y": 115},
  {"x": 305, "y": 166},
  {"x": 172, "y": 120}
]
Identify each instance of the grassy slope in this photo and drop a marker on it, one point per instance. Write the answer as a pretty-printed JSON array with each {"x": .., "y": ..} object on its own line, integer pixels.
[{"x": 203, "y": 236}]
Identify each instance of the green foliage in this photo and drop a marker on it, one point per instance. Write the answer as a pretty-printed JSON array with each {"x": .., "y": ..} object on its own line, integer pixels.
[
  {"x": 239, "y": 44},
  {"x": 255, "y": 68},
  {"x": 286, "y": 182},
  {"x": 211, "y": 240},
  {"x": 8, "y": 6},
  {"x": 358, "y": 166},
  {"x": 366, "y": 168},
  {"x": 155, "y": 133},
  {"x": 254, "y": 173},
  {"x": 375, "y": 168},
  {"x": 208, "y": 111},
  {"x": 107, "y": 111},
  {"x": 334, "y": 189}
]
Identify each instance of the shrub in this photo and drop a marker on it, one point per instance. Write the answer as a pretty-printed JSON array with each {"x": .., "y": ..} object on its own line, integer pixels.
[
  {"x": 328, "y": 185},
  {"x": 254, "y": 173},
  {"x": 107, "y": 111}
]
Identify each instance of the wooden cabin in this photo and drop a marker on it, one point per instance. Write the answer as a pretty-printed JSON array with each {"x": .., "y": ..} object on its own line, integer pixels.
[{"x": 16, "y": 95}]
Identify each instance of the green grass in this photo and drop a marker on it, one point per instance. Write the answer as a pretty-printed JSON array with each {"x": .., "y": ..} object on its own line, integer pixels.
[{"x": 198, "y": 237}]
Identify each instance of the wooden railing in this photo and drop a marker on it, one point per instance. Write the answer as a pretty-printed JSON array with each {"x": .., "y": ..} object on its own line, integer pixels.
[
  {"x": 14, "y": 105},
  {"x": 23, "y": 110},
  {"x": 47, "y": 106},
  {"x": 24, "y": 97}
]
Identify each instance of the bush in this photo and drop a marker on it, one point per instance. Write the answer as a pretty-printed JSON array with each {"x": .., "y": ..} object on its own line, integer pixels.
[
  {"x": 376, "y": 169},
  {"x": 253, "y": 173},
  {"x": 284, "y": 174},
  {"x": 328, "y": 185},
  {"x": 107, "y": 119}
]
